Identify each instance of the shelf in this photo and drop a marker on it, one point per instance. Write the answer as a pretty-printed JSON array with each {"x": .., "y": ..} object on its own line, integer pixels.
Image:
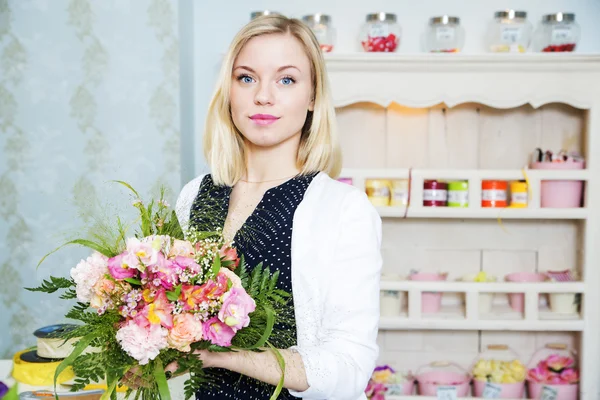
[
  {"x": 413, "y": 397},
  {"x": 484, "y": 213},
  {"x": 484, "y": 287},
  {"x": 502, "y": 318}
]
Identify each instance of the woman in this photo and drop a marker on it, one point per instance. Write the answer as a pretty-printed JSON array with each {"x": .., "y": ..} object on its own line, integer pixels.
[{"x": 272, "y": 148}]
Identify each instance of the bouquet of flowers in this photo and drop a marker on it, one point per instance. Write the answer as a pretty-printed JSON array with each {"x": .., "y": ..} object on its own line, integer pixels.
[
  {"x": 385, "y": 380},
  {"x": 155, "y": 297},
  {"x": 496, "y": 371},
  {"x": 554, "y": 370}
]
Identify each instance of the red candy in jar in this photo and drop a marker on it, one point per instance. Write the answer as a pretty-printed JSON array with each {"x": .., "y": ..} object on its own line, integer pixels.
[
  {"x": 435, "y": 193},
  {"x": 380, "y": 34}
]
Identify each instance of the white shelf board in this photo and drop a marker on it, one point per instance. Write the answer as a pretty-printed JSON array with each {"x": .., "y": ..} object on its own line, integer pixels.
[
  {"x": 484, "y": 287},
  {"x": 502, "y": 318},
  {"x": 484, "y": 213}
]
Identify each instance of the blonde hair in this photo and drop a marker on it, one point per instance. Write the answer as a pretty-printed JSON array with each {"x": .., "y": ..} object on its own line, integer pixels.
[{"x": 319, "y": 146}]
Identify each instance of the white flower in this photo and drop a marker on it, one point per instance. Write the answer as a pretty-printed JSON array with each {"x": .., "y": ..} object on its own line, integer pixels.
[
  {"x": 87, "y": 273},
  {"x": 142, "y": 343}
]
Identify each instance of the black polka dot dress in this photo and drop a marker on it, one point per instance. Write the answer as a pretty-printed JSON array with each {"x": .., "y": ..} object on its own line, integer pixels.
[{"x": 266, "y": 236}]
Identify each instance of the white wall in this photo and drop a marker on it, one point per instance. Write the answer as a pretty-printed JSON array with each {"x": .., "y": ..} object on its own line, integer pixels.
[{"x": 216, "y": 23}]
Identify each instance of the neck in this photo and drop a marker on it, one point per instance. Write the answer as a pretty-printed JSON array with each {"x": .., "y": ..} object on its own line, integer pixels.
[{"x": 272, "y": 163}]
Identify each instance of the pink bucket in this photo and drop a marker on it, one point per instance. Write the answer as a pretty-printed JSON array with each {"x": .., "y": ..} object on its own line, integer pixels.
[
  {"x": 517, "y": 300},
  {"x": 560, "y": 194},
  {"x": 431, "y": 302},
  {"x": 564, "y": 392},
  {"x": 507, "y": 391},
  {"x": 429, "y": 382}
]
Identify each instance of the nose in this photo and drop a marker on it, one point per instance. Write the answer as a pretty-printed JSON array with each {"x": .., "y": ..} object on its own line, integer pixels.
[{"x": 264, "y": 94}]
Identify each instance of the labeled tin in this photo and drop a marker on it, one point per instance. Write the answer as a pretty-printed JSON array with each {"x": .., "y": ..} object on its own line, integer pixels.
[
  {"x": 435, "y": 193},
  {"x": 458, "y": 194}
]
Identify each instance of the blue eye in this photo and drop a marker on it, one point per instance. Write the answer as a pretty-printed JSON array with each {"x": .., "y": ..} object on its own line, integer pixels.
[
  {"x": 245, "y": 79},
  {"x": 287, "y": 81}
]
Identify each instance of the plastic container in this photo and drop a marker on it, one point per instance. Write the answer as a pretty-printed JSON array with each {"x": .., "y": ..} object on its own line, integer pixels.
[
  {"x": 498, "y": 362},
  {"x": 435, "y": 193},
  {"x": 485, "y": 299},
  {"x": 458, "y": 194},
  {"x": 560, "y": 194},
  {"x": 517, "y": 300},
  {"x": 557, "y": 33},
  {"x": 378, "y": 191},
  {"x": 256, "y": 14},
  {"x": 445, "y": 35},
  {"x": 400, "y": 192},
  {"x": 321, "y": 26},
  {"x": 518, "y": 194},
  {"x": 431, "y": 302},
  {"x": 380, "y": 33},
  {"x": 493, "y": 193},
  {"x": 564, "y": 362},
  {"x": 442, "y": 373},
  {"x": 510, "y": 32}
]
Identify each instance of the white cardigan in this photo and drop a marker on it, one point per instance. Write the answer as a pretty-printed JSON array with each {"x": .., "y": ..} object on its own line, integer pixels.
[{"x": 336, "y": 267}]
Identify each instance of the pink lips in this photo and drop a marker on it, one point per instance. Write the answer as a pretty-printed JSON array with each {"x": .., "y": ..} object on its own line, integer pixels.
[{"x": 263, "y": 119}]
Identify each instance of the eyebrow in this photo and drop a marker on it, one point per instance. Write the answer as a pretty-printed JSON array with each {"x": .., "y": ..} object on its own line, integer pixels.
[{"x": 278, "y": 70}]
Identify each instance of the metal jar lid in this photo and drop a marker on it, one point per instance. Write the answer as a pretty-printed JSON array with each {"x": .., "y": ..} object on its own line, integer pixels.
[
  {"x": 381, "y": 17},
  {"x": 444, "y": 20},
  {"x": 559, "y": 17},
  {"x": 257, "y": 14},
  {"x": 510, "y": 14},
  {"x": 317, "y": 19}
]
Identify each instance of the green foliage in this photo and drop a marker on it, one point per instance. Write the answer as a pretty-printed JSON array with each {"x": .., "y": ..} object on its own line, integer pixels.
[{"x": 52, "y": 285}]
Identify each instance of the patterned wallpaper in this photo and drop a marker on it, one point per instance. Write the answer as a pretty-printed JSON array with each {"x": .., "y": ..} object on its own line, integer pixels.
[{"x": 89, "y": 92}]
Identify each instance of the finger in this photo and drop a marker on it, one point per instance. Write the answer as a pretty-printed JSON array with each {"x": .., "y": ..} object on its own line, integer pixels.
[{"x": 172, "y": 367}]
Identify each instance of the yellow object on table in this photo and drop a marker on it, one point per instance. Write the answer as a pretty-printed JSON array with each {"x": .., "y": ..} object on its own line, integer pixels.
[{"x": 38, "y": 374}]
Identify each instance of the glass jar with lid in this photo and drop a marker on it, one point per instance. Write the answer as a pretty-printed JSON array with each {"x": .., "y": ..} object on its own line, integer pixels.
[
  {"x": 380, "y": 33},
  {"x": 321, "y": 26},
  {"x": 256, "y": 14},
  {"x": 510, "y": 32},
  {"x": 557, "y": 33},
  {"x": 445, "y": 35}
]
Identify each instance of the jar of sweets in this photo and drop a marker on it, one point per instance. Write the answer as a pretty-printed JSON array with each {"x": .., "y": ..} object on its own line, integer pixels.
[
  {"x": 380, "y": 33},
  {"x": 445, "y": 35},
  {"x": 321, "y": 26},
  {"x": 510, "y": 32},
  {"x": 557, "y": 33}
]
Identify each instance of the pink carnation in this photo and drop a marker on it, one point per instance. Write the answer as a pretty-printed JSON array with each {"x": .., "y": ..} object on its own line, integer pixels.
[
  {"x": 87, "y": 273},
  {"x": 237, "y": 304},
  {"x": 217, "y": 332},
  {"x": 142, "y": 343}
]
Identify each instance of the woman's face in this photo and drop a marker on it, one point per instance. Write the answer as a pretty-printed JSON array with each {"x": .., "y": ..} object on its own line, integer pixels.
[{"x": 271, "y": 90}]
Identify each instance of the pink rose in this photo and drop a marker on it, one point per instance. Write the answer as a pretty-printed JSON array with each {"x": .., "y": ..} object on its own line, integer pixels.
[
  {"x": 236, "y": 282},
  {"x": 217, "y": 332},
  {"x": 120, "y": 269},
  {"x": 538, "y": 374},
  {"x": 228, "y": 253},
  {"x": 569, "y": 376},
  {"x": 237, "y": 304},
  {"x": 187, "y": 329},
  {"x": 142, "y": 343},
  {"x": 557, "y": 363},
  {"x": 181, "y": 248}
]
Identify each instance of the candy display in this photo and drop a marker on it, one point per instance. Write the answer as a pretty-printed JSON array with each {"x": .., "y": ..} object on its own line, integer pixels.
[
  {"x": 435, "y": 193},
  {"x": 559, "y": 193},
  {"x": 518, "y": 194},
  {"x": 493, "y": 193},
  {"x": 431, "y": 302},
  {"x": 442, "y": 373},
  {"x": 510, "y": 32},
  {"x": 458, "y": 194},
  {"x": 378, "y": 191},
  {"x": 380, "y": 33},
  {"x": 400, "y": 192},
  {"x": 321, "y": 26},
  {"x": 445, "y": 35},
  {"x": 557, "y": 33}
]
